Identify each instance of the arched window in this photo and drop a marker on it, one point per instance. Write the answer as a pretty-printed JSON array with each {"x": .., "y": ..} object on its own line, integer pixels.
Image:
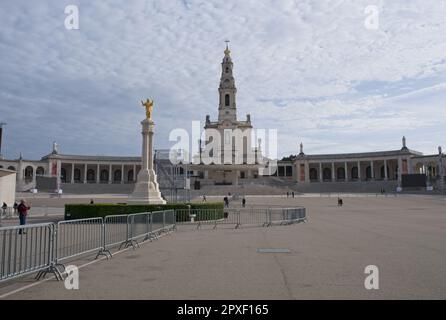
[
  {"x": 90, "y": 175},
  {"x": 227, "y": 69},
  {"x": 117, "y": 176},
  {"x": 313, "y": 174},
  {"x": 130, "y": 176},
  {"x": 227, "y": 100},
  {"x": 40, "y": 171},
  {"x": 340, "y": 173},
  {"x": 104, "y": 175},
  {"x": 77, "y": 175},
  {"x": 355, "y": 173},
  {"x": 11, "y": 168},
  {"x": 1, "y": 167}
]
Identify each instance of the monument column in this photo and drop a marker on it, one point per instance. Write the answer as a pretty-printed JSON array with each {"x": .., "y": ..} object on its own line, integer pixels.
[
  {"x": 98, "y": 174},
  {"x": 72, "y": 173},
  {"x": 372, "y": 171},
  {"x": 385, "y": 170},
  {"x": 146, "y": 187},
  {"x": 333, "y": 177},
  {"x": 110, "y": 174},
  {"x": 359, "y": 170}
]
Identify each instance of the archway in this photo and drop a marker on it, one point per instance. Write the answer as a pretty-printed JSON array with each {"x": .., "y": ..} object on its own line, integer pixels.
[
  {"x": 355, "y": 173},
  {"x": 130, "y": 175},
  {"x": 104, "y": 175},
  {"x": 368, "y": 172},
  {"x": 117, "y": 176},
  {"x": 340, "y": 173},
  {"x": 77, "y": 175},
  {"x": 313, "y": 174},
  {"x": 383, "y": 176},
  {"x": 90, "y": 175},
  {"x": 29, "y": 172},
  {"x": 326, "y": 174},
  {"x": 63, "y": 175},
  {"x": 40, "y": 171},
  {"x": 11, "y": 168}
]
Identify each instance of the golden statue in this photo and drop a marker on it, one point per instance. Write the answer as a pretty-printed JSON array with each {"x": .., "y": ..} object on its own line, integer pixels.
[{"x": 149, "y": 108}]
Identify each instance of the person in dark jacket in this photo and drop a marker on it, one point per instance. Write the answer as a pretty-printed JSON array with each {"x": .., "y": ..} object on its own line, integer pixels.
[
  {"x": 4, "y": 207},
  {"x": 15, "y": 207},
  {"x": 23, "y": 212}
]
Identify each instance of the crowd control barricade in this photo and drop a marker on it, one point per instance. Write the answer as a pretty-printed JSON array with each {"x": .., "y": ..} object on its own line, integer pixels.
[
  {"x": 287, "y": 215},
  {"x": 253, "y": 216},
  {"x": 27, "y": 249},
  {"x": 138, "y": 228},
  {"x": 169, "y": 220},
  {"x": 79, "y": 237},
  {"x": 116, "y": 231},
  {"x": 158, "y": 222}
]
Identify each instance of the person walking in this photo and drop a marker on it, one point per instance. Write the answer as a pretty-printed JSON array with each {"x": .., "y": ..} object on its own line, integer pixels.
[
  {"x": 15, "y": 208},
  {"x": 226, "y": 201},
  {"x": 243, "y": 202},
  {"x": 204, "y": 198},
  {"x": 4, "y": 207},
  {"x": 23, "y": 212},
  {"x": 292, "y": 193}
]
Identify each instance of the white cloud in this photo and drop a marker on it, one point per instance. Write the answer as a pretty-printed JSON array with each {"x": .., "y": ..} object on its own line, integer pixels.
[{"x": 309, "y": 68}]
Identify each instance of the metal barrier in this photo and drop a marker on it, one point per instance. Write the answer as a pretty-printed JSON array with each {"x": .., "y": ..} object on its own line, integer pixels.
[
  {"x": 42, "y": 247},
  {"x": 116, "y": 231},
  {"x": 287, "y": 215},
  {"x": 27, "y": 249},
  {"x": 241, "y": 216},
  {"x": 79, "y": 237}
]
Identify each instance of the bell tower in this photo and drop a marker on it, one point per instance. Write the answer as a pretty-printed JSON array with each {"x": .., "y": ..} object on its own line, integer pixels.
[{"x": 227, "y": 109}]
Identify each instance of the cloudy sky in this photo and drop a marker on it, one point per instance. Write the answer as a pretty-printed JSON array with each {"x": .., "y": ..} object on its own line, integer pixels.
[{"x": 310, "y": 69}]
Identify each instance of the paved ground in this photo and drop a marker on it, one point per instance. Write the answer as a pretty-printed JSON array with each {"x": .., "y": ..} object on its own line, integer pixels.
[{"x": 405, "y": 237}]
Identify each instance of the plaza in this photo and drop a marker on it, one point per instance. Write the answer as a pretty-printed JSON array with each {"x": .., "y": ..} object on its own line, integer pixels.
[{"x": 403, "y": 236}]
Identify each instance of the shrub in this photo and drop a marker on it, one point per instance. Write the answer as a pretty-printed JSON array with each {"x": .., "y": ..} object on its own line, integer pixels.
[{"x": 203, "y": 211}]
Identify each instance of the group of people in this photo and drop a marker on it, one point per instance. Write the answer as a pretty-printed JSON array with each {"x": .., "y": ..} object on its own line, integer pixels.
[
  {"x": 22, "y": 209},
  {"x": 226, "y": 201},
  {"x": 290, "y": 194}
]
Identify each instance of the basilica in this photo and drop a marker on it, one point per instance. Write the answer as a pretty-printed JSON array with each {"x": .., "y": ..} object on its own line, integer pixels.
[{"x": 233, "y": 157}]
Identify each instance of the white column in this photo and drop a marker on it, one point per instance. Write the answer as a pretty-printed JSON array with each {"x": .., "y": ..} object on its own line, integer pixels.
[
  {"x": 134, "y": 172},
  {"x": 372, "y": 172},
  {"x": 110, "y": 174},
  {"x": 385, "y": 170},
  {"x": 333, "y": 176},
  {"x": 359, "y": 170},
  {"x": 346, "y": 170},
  {"x": 122, "y": 173},
  {"x": 72, "y": 173},
  {"x": 98, "y": 173},
  {"x": 307, "y": 171},
  {"x": 85, "y": 173},
  {"x": 320, "y": 172},
  {"x": 400, "y": 168}
]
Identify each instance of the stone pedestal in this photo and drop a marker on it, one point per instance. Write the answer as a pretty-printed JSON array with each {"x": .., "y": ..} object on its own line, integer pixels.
[{"x": 146, "y": 188}]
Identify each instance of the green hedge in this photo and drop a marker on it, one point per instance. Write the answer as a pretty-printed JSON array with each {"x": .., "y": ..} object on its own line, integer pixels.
[{"x": 82, "y": 211}]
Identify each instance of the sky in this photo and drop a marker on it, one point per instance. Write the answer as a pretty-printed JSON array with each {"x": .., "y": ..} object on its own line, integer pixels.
[{"x": 324, "y": 73}]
